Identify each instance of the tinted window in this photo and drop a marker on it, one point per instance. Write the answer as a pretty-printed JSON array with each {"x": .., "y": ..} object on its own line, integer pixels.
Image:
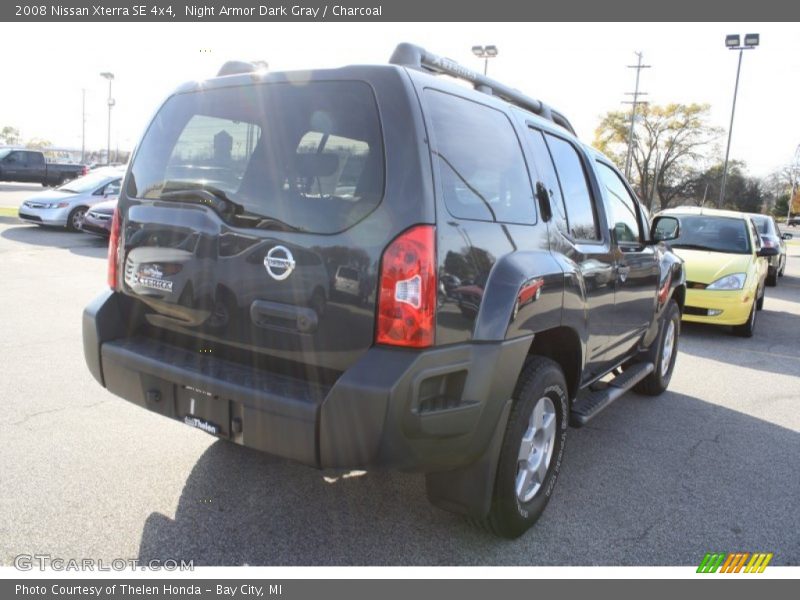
[
  {"x": 35, "y": 159},
  {"x": 547, "y": 175},
  {"x": 621, "y": 206},
  {"x": 310, "y": 155},
  {"x": 479, "y": 161},
  {"x": 20, "y": 158},
  {"x": 581, "y": 219}
]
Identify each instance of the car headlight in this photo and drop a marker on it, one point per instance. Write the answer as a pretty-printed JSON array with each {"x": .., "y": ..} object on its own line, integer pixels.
[
  {"x": 734, "y": 281},
  {"x": 57, "y": 205}
]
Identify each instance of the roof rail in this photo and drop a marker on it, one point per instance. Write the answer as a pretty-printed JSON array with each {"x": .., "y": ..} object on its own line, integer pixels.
[
  {"x": 415, "y": 57},
  {"x": 236, "y": 67}
]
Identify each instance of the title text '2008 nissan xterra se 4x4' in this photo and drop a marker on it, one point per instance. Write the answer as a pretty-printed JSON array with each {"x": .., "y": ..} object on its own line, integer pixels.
[{"x": 382, "y": 266}]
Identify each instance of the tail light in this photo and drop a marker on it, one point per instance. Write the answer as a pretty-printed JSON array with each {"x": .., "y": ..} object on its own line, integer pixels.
[
  {"x": 113, "y": 250},
  {"x": 768, "y": 243},
  {"x": 85, "y": 170},
  {"x": 407, "y": 293}
]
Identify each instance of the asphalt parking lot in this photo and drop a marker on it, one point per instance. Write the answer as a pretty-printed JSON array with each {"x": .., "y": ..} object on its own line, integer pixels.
[{"x": 712, "y": 465}]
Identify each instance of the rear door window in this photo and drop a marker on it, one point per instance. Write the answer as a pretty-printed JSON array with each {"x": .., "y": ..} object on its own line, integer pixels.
[
  {"x": 309, "y": 155},
  {"x": 479, "y": 161},
  {"x": 581, "y": 217}
]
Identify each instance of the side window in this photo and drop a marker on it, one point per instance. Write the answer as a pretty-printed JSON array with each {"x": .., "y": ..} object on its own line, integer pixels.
[
  {"x": 547, "y": 173},
  {"x": 756, "y": 236},
  {"x": 19, "y": 158},
  {"x": 479, "y": 160},
  {"x": 581, "y": 217},
  {"x": 112, "y": 188},
  {"x": 35, "y": 159},
  {"x": 621, "y": 207}
]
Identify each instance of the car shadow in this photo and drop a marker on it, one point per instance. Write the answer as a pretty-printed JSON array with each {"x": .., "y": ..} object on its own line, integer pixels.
[
  {"x": 78, "y": 243},
  {"x": 649, "y": 481},
  {"x": 774, "y": 347}
]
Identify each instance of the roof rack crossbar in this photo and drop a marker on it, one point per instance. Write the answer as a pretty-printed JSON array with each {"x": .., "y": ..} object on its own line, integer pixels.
[{"x": 415, "y": 57}]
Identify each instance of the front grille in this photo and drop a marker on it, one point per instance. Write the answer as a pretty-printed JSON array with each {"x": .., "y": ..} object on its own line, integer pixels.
[
  {"x": 696, "y": 285},
  {"x": 693, "y": 310},
  {"x": 30, "y": 217},
  {"x": 99, "y": 216}
]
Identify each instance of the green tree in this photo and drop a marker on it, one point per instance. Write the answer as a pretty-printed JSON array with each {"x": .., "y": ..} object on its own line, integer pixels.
[
  {"x": 38, "y": 143},
  {"x": 668, "y": 142},
  {"x": 9, "y": 135}
]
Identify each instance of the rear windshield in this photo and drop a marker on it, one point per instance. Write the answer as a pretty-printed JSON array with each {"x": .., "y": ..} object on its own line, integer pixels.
[
  {"x": 310, "y": 155},
  {"x": 764, "y": 225},
  {"x": 712, "y": 233}
]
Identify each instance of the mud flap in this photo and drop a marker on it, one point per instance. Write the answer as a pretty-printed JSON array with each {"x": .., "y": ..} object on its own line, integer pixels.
[{"x": 468, "y": 491}]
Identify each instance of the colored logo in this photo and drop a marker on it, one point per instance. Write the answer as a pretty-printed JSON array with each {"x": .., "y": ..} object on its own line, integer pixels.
[{"x": 734, "y": 562}]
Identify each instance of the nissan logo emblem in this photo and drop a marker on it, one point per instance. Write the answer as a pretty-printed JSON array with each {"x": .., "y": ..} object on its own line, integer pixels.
[{"x": 279, "y": 263}]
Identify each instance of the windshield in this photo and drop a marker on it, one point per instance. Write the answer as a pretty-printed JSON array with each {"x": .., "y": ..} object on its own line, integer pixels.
[
  {"x": 764, "y": 225},
  {"x": 4, "y": 153},
  {"x": 87, "y": 183},
  {"x": 309, "y": 156},
  {"x": 712, "y": 233}
]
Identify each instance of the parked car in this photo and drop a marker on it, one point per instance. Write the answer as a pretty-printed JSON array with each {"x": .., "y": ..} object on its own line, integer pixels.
[
  {"x": 30, "y": 166},
  {"x": 793, "y": 221},
  {"x": 492, "y": 188},
  {"x": 771, "y": 237},
  {"x": 726, "y": 264},
  {"x": 67, "y": 205},
  {"x": 98, "y": 218}
]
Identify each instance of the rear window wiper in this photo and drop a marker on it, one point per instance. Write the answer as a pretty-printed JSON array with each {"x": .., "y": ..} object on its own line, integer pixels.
[
  {"x": 209, "y": 196},
  {"x": 257, "y": 221}
]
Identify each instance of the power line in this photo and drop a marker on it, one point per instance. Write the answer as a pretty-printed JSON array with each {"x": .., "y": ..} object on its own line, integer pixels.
[{"x": 636, "y": 93}]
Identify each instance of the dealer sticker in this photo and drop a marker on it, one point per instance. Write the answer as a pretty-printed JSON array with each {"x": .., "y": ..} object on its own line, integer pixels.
[{"x": 199, "y": 423}]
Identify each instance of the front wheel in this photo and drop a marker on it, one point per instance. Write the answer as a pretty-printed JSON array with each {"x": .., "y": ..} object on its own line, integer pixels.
[
  {"x": 748, "y": 328},
  {"x": 532, "y": 449},
  {"x": 662, "y": 353},
  {"x": 75, "y": 218}
]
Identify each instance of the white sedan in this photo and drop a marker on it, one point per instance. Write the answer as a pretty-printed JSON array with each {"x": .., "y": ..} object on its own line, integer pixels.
[{"x": 66, "y": 206}]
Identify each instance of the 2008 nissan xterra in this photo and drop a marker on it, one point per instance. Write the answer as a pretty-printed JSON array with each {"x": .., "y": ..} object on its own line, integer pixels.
[{"x": 379, "y": 265}]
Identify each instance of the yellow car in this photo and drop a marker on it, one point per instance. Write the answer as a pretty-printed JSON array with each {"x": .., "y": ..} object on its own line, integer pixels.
[{"x": 726, "y": 265}]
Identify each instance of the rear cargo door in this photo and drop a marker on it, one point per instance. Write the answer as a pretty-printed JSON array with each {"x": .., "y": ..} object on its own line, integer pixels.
[{"x": 245, "y": 231}]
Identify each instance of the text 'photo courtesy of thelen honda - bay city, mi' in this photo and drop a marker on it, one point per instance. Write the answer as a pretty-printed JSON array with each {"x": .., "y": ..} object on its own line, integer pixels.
[{"x": 379, "y": 266}]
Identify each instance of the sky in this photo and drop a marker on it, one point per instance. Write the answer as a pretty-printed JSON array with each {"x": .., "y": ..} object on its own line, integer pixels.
[{"x": 580, "y": 69}]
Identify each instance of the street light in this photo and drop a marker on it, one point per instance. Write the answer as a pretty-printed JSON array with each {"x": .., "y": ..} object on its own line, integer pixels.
[
  {"x": 732, "y": 42},
  {"x": 485, "y": 52},
  {"x": 110, "y": 77}
]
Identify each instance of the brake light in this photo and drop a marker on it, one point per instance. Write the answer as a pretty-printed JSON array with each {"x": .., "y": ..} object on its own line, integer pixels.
[
  {"x": 85, "y": 170},
  {"x": 407, "y": 293},
  {"x": 768, "y": 243},
  {"x": 113, "y": 250}
]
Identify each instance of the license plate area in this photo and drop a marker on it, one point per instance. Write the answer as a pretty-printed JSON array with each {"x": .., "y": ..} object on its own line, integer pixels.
[{"x": 203, "y": 410}]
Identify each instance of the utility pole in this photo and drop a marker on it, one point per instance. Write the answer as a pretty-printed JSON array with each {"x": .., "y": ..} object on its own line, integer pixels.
[
  {"x": 83, "y": 126},
  {"x": 636, "y": 93},
  {"x": 795, "y": 176}
]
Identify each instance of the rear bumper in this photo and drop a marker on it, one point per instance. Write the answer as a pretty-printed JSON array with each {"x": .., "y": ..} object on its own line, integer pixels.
[
  {"x": 734, "y": 306},
  {"x": 424, "y": 411}
]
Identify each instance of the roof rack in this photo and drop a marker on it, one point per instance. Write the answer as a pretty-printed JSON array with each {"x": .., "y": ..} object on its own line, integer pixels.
[
  {"x": 415, "y": 57},
  {"x": 236, "y": 67}
]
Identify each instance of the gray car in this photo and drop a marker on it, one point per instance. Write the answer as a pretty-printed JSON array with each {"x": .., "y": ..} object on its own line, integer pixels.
[{"x": 66, "y": 206}]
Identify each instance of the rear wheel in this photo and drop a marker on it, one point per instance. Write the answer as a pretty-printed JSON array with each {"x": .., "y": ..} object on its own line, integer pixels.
[
  {"x": 532, "y": 449},
  {"x": 760, "y": 301},
  {"x": 748, "y": 328},
  {"x": 662, "y": 353},
  {"x": 772, "y": 277},
  {"x": 75, "y": 218}
]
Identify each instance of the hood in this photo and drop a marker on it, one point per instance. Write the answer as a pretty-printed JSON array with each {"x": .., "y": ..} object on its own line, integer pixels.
[
  {"x": 50, "y": 196},
  {"x": 106, "y": 207},
  {"x": 706, "y": 267}
]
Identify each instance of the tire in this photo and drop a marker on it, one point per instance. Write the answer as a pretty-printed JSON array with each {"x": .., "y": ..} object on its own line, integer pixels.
[
  {"x": 772, "y": 278},
  {"x": 760, "y": 301},
  {"x": 662, "y": 353},
  {"x": 748, "y": 328},
  {"x": 542, "y": 387},
  {"x": 75, "y": 218}
]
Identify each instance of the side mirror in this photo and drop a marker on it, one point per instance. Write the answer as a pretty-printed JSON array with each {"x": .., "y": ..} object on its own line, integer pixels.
[
  {"x": 767, "y": 252},
  {"x": 665, "y": 229},
  {"x": 786, "y": 236}
]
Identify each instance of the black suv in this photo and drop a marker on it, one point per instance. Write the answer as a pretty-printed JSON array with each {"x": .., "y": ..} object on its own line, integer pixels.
[{"x": 378, "y": 266}]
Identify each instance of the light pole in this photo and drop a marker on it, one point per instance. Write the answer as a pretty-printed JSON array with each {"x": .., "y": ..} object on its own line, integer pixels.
[
  {"x": 110, "y": 77},
  {"x": 636, "y": 93},
  {"x": 485, "y": 52},
  {"x": 83, "y": 125},
  {"x": 733, "y": 43}
]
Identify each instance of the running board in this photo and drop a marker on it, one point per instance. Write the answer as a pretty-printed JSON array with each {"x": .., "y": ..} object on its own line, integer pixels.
[{"x": 587, "y": 407}]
